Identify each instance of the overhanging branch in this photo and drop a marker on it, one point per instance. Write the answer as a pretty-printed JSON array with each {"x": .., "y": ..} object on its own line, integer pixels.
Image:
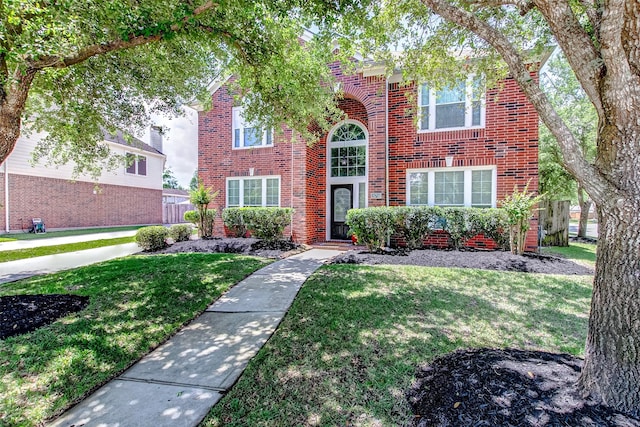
[{"x": 571, "y": 151}]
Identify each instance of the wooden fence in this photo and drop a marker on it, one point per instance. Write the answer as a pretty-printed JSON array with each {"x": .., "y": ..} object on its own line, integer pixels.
[
  {"x": 554, "y": 221},
  {"x": 173, "y": 213}
]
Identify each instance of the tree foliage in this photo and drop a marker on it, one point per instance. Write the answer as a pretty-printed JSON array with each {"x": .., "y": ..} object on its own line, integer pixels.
[
  {"x": 169, "y": 180},
  {"x": 73, "y": 68}
]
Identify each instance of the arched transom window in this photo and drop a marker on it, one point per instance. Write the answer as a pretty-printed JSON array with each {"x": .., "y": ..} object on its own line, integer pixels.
[{"x": 348, "y": 151}]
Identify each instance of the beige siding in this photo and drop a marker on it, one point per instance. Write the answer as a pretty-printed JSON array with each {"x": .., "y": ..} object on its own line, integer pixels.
[{"x": 19, "y": 163}]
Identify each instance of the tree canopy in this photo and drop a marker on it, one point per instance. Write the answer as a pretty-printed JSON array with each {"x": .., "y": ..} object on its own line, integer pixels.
[{"x": 73, "y": 68}]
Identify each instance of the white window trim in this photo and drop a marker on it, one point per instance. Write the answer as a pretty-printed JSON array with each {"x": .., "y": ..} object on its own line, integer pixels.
[
  {"x": 237, "y": 112},
  {"x": 264, "y": 189},
  {"x": 467, "y": 183},
  {"x": 468, "y": 116},
  {"x": 135, "y": 162}
]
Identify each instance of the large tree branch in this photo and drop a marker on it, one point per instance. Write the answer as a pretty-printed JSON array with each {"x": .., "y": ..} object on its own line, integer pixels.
[
  {"x": 577, "y": 46},
  {"x": 97, "y": 49},
  {"x": 571, "y": 150},
  {"x": 524, "y": 6}
]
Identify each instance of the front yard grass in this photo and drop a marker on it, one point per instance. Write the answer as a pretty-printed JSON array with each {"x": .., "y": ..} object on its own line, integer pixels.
[
  {"x": 17, "y": 254},
  {"x": 135, "y": 304},
  {"x": 348, "y": 349},
  {"x": 581, "y": 253}
]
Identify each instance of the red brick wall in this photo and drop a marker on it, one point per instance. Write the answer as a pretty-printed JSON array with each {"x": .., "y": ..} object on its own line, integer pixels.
[
  {"x": 66, "y": 204},
  {"x": 509, "y": 141}
]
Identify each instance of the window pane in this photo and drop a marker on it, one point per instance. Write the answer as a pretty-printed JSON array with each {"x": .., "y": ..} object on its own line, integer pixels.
[
  {"x": 252, "y": 192},
  {"x": 475, "y": 113},
  {"x": 142, "y": 165},
  {"x": 362, "y": 195},
  {"x": 451, "y": 95},
  {"x": 450, "y": 115},
  {"x": 424, "y": 95},
  {"x": 131, "y": 163},
  {"x": 233, "y": 193},
  {"x": 269, "y": 137},
  {"x": 273, "y": 192},
  {"x": 349, "y": 161},
  {"x": 449, "y": 188},
  {"x": 252, "y": 137},
  {"x": 236, "y": 138},
  {"x": 481, "y": 189},
  {"x": 418, "y": 188}
]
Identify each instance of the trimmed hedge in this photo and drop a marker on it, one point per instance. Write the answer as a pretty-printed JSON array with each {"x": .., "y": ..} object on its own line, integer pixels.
[
  {"x": 152, "y": 238},
  {"x": 414, "y": 224},
  {"x": 262, "y": 223},
  {"x": 232, "y": 219},
  {"x": 180, "y": 232}
]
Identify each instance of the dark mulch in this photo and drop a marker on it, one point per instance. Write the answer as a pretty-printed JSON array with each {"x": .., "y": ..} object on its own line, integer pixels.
[
  {"x": 237, "y": 245},
  {"x": 20, "y": 314},
  {"x": 505, "y": 388},
  {"x": 487, "y": 260}
]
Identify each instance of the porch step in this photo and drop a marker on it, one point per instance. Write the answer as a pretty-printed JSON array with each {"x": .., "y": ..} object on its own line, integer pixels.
[{"x": 338, "y": 245}]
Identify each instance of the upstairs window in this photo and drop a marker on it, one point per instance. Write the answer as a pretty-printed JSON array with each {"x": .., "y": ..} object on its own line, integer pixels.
[
  {"x": 136, "y": 165},
  {"x": 348, "y": 151},
  {"x": 454, "y": 107},
  {"x": 246, "y": 135}
]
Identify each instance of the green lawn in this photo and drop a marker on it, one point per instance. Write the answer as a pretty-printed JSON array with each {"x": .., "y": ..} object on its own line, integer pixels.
[
  {"x": 59, "y": 249},
  {"x": 77, "y": 232},
  {"x": 136, "y": 303},
  {"x": 348, "y": 349},
  {"x": 582, "y": 253}
]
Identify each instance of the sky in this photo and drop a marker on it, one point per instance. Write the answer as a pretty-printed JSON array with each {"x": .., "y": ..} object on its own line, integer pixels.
[{"x": 179, "y": 144}]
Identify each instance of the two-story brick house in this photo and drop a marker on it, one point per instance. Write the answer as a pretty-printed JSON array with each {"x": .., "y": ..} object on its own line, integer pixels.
[{"x": 468, "y": 147}]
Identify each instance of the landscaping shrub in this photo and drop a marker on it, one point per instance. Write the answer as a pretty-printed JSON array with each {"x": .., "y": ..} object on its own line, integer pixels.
[
  {"x": 372, "y": 226},
  {"x": 232, "y": 219},
  {"x": 200, "y": 198},
  {"x": 192, "y": 217},
  {"x": 493, "y": 223},
  {"x": 266, "y": 223},
  {"x": 152, "y": 238},
  {"x": 519, "y": 207},
  {"x": 180, "y": 232},
  {"x": 415, "y": 223}
]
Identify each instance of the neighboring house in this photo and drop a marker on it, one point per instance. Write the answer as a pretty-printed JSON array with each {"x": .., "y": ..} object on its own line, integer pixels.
[
  {"x": 467, "y": 147},
  {"x": 172, "y": 196},
  {"x": 129, "y": 195}
]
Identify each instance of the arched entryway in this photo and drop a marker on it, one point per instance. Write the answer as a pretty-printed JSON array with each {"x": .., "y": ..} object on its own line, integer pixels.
[{"x": 347, "y": 154}]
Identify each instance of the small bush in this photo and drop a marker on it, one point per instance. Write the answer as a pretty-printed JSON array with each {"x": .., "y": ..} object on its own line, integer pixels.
[
  {"x": 152, "y": 238},
  {"x": 266, "y": 223},
  {"x": 192, "y": 217},
  {"x": 232, "y": 219},
  {"x": 372, "y": 226},
  {"x": 180, "y": 232},
  {"x": 415, "y": 223},
  {"x": 519, "y": 207}
]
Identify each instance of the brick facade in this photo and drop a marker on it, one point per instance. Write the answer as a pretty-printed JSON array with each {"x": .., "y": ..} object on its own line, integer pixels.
[
  {"x": 508, "y": 142},
  {"x": 67, "y": 204}
]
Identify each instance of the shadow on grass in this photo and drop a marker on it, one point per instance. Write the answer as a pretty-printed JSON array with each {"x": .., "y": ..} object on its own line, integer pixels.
[
  {"x": 348, "y": 348},
  {"x": 135, "y": 304}
]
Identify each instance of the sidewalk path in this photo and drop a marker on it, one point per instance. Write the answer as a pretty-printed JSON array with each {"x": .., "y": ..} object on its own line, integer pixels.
[
  {"x": 177, "y": 384},
  {"x": 15, "y": 270},
  {"x": 52, "y": 241}
]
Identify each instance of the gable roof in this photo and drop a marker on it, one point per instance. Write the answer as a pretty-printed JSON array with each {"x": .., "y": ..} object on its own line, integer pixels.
[{"x": 118, "y": 138}]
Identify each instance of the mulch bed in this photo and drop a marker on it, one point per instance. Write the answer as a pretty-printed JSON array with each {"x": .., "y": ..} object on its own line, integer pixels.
[
  {"x": 487, "y": 260},
  {"x": 505, "y": 388},
  {"x": 237, "y": 245},
  {"x": 20, "y": 314}
]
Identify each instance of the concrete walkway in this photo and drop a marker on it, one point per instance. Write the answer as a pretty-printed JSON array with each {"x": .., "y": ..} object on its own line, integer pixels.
[
  {"x": 52, "y": 241},
  {"x": 20, "y": 269},
  {"x": 177, "y": 384}
]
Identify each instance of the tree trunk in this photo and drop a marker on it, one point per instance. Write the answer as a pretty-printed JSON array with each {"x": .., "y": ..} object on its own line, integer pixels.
[
  {"x": 611, "y": 370},
  {"x": 585, "y": 206}
]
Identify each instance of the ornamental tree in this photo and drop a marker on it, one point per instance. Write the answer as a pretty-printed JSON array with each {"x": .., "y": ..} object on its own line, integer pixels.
[
  {"x": 601, "y": 41},
  {"x": 75, "y": 68}
]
